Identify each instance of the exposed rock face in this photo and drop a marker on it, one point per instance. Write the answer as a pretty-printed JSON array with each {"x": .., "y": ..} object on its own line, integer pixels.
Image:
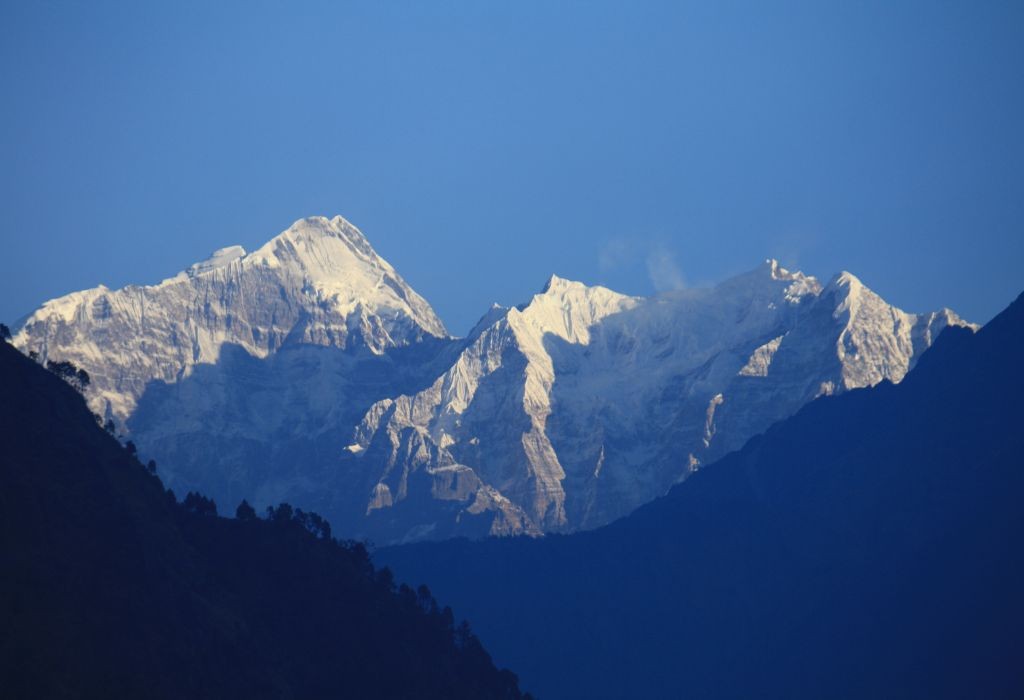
[
  {"x": 584, "y": 404},
  {"x": 308, "y": 371},
  {"x": 892, "y": 514},
  {"x": 243, "y": 375},
  {"x": 318, "y": 283}
]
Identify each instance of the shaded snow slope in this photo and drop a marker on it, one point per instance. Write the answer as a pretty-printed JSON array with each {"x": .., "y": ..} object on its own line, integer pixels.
[
  {"x": 870, "y": 546},
  {"x": 243, "y": 376},
  {"x": 308, "y": 371},
  {"x": 584, "y": 404},
  {"x": 317, "y": 283}
]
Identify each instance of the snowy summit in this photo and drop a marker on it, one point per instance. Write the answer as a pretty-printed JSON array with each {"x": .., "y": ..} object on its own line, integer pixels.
[{"x": 308, "y": 371}]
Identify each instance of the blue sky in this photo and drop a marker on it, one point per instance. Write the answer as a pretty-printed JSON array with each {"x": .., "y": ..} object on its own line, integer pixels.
[{"x": 482, "y": 146}]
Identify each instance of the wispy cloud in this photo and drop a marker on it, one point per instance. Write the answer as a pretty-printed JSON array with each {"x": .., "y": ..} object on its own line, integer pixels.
[
  {"x": 663, "y": 270},
  {"x": 631, "y": 254}
]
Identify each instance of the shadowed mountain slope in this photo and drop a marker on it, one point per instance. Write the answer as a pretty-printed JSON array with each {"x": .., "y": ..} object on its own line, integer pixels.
[
  {"x": 109, "y": 588},
  {"x": 872, "y": 545},
  {"x": 309, "y": 371},
  {"x": 584, "y": 404}
]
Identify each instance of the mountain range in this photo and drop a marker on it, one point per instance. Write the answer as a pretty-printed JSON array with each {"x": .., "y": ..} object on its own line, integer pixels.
[
  {"x": 871, "y": 545},
  {"x": 309, "y": 371}
]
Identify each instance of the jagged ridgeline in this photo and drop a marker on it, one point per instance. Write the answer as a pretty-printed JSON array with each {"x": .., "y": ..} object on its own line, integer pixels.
[
  {"x": 309, "y": 371},
  {"x": 110, "y": 588},
  {"x": 871, "y": 546}
]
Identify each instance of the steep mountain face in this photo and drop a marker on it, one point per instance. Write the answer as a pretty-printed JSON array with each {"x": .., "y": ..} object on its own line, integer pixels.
[
  {"x": 244, "y": 375},
  {"x": 110, "y": 588},
  {"x": 308, "y": 371},
  {"x": 872, "y": 545},
  {"x": 319, "y": 283},
  {"x": 584, "y": 404}
]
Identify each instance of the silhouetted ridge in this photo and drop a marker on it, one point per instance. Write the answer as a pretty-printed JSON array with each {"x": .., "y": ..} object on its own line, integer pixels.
[
  {"x": 110, "y": 588},
  {"x": 872, "y": 545}
]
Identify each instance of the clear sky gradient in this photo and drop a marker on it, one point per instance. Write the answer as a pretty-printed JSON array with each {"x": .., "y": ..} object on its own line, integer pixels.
[{"x": 482, "y": 146}]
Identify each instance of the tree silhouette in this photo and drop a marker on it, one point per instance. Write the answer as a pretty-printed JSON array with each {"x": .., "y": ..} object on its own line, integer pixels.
[
  {"x": 313, "y": 523},
  {"x": 385, "y": 579},
  {"x": 282, "y": 514},
  {"x": 245, "y": 511},
  {"x": 448, "y": 619},
  {"x": 67, "y": 371},
  {"x": 199, "y": 504},
  {"x": 464, "y": 636},
  {"x": 425, "y": 600}
]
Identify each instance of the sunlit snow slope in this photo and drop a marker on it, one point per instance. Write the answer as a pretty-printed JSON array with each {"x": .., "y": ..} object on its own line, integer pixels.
[
  {"x": 317, "y": 283},
  {"x": 584, "y": 404},
  {"x": 309, "y": 371}
]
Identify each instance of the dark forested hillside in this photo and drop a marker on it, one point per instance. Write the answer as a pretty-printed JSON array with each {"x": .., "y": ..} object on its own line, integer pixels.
[
  {"x": 870, "y": 546},
  {"x": 109, "y": 588}
]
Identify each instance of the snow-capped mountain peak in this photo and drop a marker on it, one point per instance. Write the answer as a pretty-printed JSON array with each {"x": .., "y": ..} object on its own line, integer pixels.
[
  {"x": 568, "y": 309},
  {"x": 218, "y": 259},
  {"x": 319, "y": 282},
  {"x": 556, "y": 285},
  {"x": 307, "y": 243},
  {"x": 763, "y": 282},
  {"x": 584, "y": 403},
  {"x": 777, "y": 272},
  {"x": 308, "y": 370},
  {"x": 335, "y": 261},
  {"x": 876, "y": 340}
]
